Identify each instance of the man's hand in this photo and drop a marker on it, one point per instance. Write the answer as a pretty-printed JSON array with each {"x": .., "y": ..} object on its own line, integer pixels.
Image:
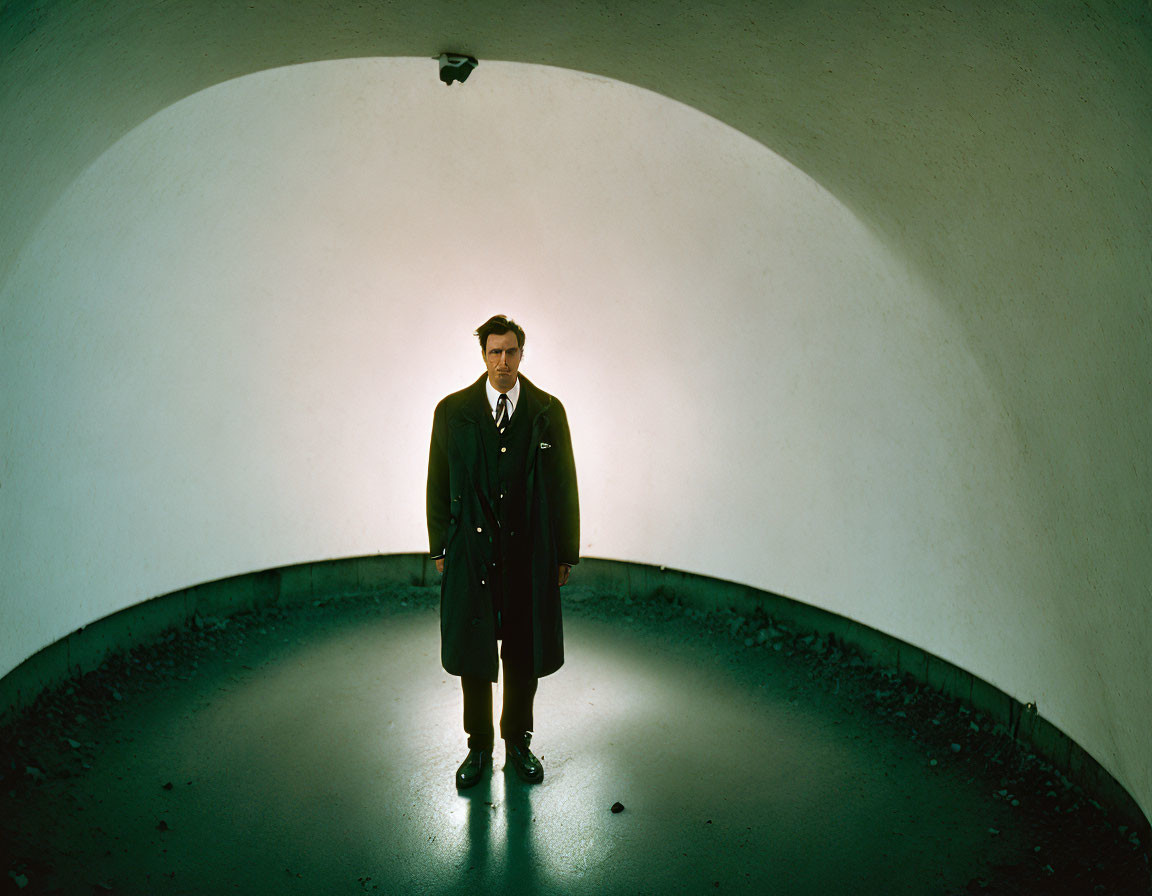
[{"x": 440, "y": 565}]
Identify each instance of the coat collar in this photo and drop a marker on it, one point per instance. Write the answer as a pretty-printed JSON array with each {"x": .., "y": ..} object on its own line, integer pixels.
[{"x": 532, "y": 400}]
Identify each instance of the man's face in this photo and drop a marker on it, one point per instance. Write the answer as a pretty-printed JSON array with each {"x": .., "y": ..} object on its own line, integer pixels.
[{"x": 502, "y": 357}]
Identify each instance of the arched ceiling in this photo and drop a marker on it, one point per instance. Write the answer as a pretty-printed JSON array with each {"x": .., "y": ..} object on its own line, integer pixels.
[
  {"x": 919, "y": 117},
  {"x": 1003, "y": 152}
]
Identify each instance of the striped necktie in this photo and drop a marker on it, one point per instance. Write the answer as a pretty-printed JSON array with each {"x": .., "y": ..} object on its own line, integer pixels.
[{"x": 502, "y": 406}]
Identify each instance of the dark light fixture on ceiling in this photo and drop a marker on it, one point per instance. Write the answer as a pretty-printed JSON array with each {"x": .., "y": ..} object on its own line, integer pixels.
[{"x": 455, "y": 67}]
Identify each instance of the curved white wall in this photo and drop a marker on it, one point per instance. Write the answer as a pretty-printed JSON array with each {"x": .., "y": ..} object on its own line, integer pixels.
[
  {"x": 229, "y": 334},
  {"x": 200, "y": 376}
]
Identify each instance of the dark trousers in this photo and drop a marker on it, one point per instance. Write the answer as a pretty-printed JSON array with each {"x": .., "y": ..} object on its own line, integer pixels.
[{"x": 515, "y": 716}]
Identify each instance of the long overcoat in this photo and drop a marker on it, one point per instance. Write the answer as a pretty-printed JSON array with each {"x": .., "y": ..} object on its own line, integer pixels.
[{"x": 463, "y": 526}]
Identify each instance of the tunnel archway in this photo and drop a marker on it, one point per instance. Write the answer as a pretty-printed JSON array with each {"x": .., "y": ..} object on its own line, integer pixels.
[
  {"x": 265, "y": 285},
  {"x": 1033, "y": 255}
]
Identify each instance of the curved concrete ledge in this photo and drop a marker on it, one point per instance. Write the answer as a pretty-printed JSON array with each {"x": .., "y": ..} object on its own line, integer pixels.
[{"x": 86, "y": 648}]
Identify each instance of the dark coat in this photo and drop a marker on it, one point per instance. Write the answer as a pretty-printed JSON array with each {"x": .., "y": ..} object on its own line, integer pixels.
[{"x": 462, "y": 525}]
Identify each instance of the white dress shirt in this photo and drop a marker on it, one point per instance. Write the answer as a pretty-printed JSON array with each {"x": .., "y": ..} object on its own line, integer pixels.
[{"x": 494, "y": 396}]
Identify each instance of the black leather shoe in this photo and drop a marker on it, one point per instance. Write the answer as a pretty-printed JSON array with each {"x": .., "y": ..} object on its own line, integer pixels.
[
  {"x": 472, "y": 768},
  {"x": 527, "y": 766}
]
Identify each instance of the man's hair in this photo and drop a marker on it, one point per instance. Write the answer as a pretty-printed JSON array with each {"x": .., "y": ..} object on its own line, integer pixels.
[{"x": 499, "y": 324}]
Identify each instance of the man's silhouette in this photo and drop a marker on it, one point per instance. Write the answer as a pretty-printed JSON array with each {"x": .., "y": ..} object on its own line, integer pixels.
[{"x": 504, "y": 530}]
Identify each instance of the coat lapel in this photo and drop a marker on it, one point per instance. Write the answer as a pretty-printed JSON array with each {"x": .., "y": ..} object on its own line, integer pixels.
[
  {"x": 486, "y": 433},
  {"x": 474, "y": 432},
  {"x": 532, "y": 400}
]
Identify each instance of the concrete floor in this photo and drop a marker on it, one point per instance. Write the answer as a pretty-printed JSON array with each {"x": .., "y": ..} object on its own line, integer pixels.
[{"x": 314, "y": 752}]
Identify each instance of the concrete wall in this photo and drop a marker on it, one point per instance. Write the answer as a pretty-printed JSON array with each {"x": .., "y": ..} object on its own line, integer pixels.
[{"x": 918, "y": 333}]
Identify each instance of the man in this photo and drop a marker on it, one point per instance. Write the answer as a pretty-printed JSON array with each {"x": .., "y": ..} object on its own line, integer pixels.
[{"x": 504, "y": 530}]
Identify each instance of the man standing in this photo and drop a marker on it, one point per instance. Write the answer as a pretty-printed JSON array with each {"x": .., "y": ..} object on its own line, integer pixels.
[{"x": 504, "y": 530}]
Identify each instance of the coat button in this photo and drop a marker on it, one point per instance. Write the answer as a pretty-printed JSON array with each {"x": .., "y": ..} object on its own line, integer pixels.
[
  {"x": 479, "y": 528},
  {"x": 482, "y": 582},
  {"x": 502, "y": 450}
]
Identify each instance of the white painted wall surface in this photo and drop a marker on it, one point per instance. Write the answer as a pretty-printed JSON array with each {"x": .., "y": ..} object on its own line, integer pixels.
[
  {"x": 230, "y": 333},
  {"x": 223, "y": 344}
]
